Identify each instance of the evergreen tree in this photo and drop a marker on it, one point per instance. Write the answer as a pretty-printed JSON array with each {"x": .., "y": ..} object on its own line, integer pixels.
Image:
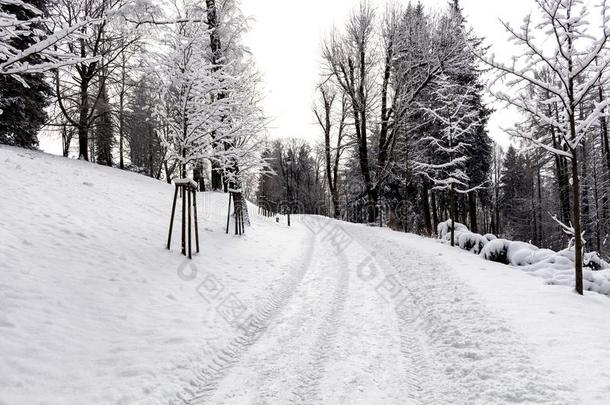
[
  {"x": 104, "y": 136},
  {"x": 23, "y": 108},
  {"x": 146, "y": 153},
  {"x": 479, "y": 143},
  {"x": 516, "y": 184}
]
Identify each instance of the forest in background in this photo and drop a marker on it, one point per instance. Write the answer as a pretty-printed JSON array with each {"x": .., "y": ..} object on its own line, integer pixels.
[{"x": 383, "y": 150}]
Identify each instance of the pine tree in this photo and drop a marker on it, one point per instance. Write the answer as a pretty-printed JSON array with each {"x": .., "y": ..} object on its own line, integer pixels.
[
  {"x": 513, "y": 194},
  {"x": 104, "y": 136},
  {"x": 23, "y": 108},
  {"x": 479, "y": 143}
]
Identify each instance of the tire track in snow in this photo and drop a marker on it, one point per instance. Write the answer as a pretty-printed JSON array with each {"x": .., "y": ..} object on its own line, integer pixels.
[
  {"x": 416, "y": 360},
  {"x": 310, "y": 375},
  {"x": 205, "y": 383},
  {"x": 469, "y": 354}
]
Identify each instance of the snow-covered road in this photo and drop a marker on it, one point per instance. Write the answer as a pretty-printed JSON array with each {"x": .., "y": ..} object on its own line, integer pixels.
[
  {"x": 367, "y": 319},
  {"x": 333, "y": 340}
]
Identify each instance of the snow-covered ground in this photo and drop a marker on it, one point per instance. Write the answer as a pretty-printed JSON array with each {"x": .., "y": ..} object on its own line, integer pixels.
[{"x": 93, "y": 309}]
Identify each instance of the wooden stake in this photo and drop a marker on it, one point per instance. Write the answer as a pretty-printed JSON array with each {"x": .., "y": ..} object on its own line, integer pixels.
[
  {"x": 183, "y": 223},
  {"x": 235, "y": 209},
  {"x": 229, "y": 213},
  {"x": 243, "y": 224},
  {"x": 188, "y": 192},
  {"x": 196, "y": 224},
  {"x": 171, "y": 221}
]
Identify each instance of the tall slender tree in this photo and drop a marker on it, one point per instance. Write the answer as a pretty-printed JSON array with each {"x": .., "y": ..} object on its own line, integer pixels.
[{"x": 563, "y": 43}]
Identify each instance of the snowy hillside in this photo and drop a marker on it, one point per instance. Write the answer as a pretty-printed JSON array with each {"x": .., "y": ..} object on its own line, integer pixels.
[{"x": 94, "y": 310}]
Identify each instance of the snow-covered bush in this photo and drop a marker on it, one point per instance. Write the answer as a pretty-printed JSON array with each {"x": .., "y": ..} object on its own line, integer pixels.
[
  {"x": 558, "y": 269},
  {"x": 473, "y": 242},
  {"x": 521, "y": 253},
  {"x": 598, "y": 281},
  {"x": 496, "y": 251},
  {"x": 444, "y": 229},
  {"x": 594, "y": 261},
  {"x": 544, "y": 262}
]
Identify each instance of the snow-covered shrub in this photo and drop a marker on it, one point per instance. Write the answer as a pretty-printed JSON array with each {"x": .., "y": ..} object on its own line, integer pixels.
[
  {"x": 496, "y": 251},
  {"x": 556, "y": 268},
  {"x": 598, "y": 281},
  {"x": 456, "y": 235},
  {"x": 473, "y": 242},
  {"x": 540, "y": 255},
  {"x": 521, "y": 253},
  {"x": 591, "y": 260},
  {"x": 444, "y": 228},
  {"x": 594, "y": 261}
]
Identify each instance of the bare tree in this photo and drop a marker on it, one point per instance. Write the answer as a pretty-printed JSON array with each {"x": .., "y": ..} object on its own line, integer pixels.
[
  {"x": 350, "y": 59},
  {"x": 79, "y": 86},
  {"x": 562, "y": 43},
  {"x": 325, "y": 116}
]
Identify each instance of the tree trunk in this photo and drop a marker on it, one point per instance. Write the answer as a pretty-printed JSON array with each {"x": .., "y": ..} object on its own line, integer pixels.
[
  {"x": 599, "y": 211},
  {"x": 426, "y": 208},
  {"x": 168, "y": 171},
  {"x": 216, "y": 177},
  {"x": 83, "y": 127},
  {"x": 122, "y": 113},
  {"x": 604, "y": 131},
  {"x": 585, "y": 210},
  {"x": 539, "y": 185},
  {"x": 562, "y": 175},
  {"x": 577, "y": 226},
  {"x": 434, "y": 209},
  {"x": 463, "y": 209},
  {"x": 66, "y": 138},
  {"x": 534, "y": 221},
  {"x": 472, "y": 208},
  {"x": 453, "y": 213}
]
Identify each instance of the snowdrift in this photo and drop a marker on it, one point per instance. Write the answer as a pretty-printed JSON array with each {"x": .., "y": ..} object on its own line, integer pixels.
[{"x": 554, "y": 267}]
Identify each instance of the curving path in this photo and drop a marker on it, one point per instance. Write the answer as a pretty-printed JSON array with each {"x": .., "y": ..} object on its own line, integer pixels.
[{"x": 365, "y": 319}]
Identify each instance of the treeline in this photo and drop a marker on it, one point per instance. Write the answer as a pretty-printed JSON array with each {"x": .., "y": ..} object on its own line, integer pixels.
[
  {"x": 162, "y": 89},
  {"x": 383, "y": 153},
  {"x": 404, "y": 138}
]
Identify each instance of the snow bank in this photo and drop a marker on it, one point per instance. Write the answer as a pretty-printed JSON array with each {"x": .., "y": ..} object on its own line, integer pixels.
[
  {"x": 555, "y": 267},
  {"x": 93, "y": 308}
]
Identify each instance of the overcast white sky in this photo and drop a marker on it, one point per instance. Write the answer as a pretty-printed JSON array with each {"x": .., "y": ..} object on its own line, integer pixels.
[{"x": 285, "y": 39}]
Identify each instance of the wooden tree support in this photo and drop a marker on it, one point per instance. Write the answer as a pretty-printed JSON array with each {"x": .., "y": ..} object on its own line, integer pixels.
[
  {"x": 187, "y": 189},
  {"x": 238, "y": 213}
]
